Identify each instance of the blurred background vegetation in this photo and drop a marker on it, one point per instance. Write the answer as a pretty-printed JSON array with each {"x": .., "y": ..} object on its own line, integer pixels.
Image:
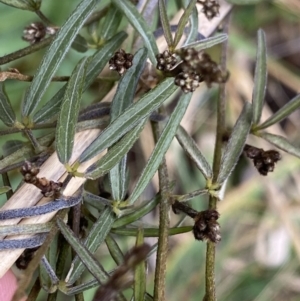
[{"x": 258, "y": 257}]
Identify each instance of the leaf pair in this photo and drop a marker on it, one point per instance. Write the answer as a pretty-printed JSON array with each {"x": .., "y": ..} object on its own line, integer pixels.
[{"x": 260, "y": 81}]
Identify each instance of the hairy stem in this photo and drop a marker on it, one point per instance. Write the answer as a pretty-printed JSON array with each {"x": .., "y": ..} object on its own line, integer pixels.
[
  {"x": 210, "y": 290},
  {"x": 164, "y": 224}
]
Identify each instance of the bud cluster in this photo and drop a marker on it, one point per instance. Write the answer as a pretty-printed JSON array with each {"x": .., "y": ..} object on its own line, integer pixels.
[
  {"x": 121, "y": 61},
  {"x": 166, "y": 61},
  {"x": 210, "y": 8},
  {"x": 197, "y": 67},
  {"x": 36, "y": 31},
  {"x": 264, "y": 161},
  {"x": 48, "y": 188},
  {"x": 206, "y": 226}
]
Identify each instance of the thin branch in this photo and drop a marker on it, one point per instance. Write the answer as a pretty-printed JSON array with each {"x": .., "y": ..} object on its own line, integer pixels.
[
  {"x": 164, "y": 224},
  {"x": 43, "y": 18},
  {"x": 25, "y": 51},
  {"x": 210, "y": 290}
]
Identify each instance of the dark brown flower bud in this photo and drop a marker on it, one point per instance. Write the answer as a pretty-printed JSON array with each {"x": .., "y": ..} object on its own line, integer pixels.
[
  {"x": 264, "y": 161},
  {"x": 210, "y": 8},
  {"x": 166, "y": 61},
  {"x": 121, "y": 61},
  {"x": 34, "y": 33},
  {"x": 206, "y": 226}
]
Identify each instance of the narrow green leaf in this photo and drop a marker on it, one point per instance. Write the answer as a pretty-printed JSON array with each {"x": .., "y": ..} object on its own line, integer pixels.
[
  {"x": 127, "y": 85},
  {"x": 194, "y": 25},
  {"x": 111, "y": 23},
  {"x": 161, "y": 147},
  {"x": 23, "y": 153},
  {"x": 138, "y": 213},
  {"x": 122, "y": 99},
  {"x": 182, "y": 22},
  {"x": 80, "y": 44},
  {"x": 82, "y": 252},
  {"x": 4, "y": 189},
  {"x": 95, "y": 238},
  {"x": 260, "y": 78},
  {"x": 55, "y": 54},
  {"x": 22, "y": 4},
  {"x": 165, "y": 22},
  {"x": 7, "y": 114},
  {"x": 137, "y": 21},
  {"x": 150, "y": 232},
  {"x": 139, "y": 288},
  {"x": 114, "y": 249},
  {"x": 11, "y": 146},
  {"x": 282, "y": 113},
  {"x": 52, "y": 253},
  {"x": 118, "y": 179},
  {"x": 128, "y": 119},
  {"x": 189, "y": 145},
  {"x": 115, "y": 153},
  {"x": 282, "y": 143},
  {"x": 95, "y": 66},
  {"x": 208, "y": 42},
  {"x": 66, "y": 123},
  {"x": 44, "y": 278},
  {"x": 235, "y": 144}
]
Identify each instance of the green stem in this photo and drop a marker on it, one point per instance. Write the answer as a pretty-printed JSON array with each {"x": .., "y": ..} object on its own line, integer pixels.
[
  {"x": 164, "y": 224},
  {"x": 43, "y": 18},
  {"x": 210, "y": 289},
  {"x": 25, "y": 51},
  {"x": 37, "y": 147}
]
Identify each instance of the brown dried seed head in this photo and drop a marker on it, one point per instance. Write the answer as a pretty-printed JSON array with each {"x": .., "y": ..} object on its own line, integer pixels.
[
  {"x": 206, "y": 226},
  {"x": 187, "y": 81},
  {"x": 35, "y": 32},
  {"x": 121, "y": 61},
  {"x": 166, "y": 61},
  {"x": 210, "y": 8},
  {"x": 264, "y": 161}
]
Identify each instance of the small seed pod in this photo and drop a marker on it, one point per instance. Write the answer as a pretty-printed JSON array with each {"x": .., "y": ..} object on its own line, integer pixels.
[
  {"x": 34, "y": 33},
  {"x": 166, "y": 61},
  {"x": 206, "y": 226},
  {"x": 210, "y": 8},
  {"x": 121, "y": 61}
]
